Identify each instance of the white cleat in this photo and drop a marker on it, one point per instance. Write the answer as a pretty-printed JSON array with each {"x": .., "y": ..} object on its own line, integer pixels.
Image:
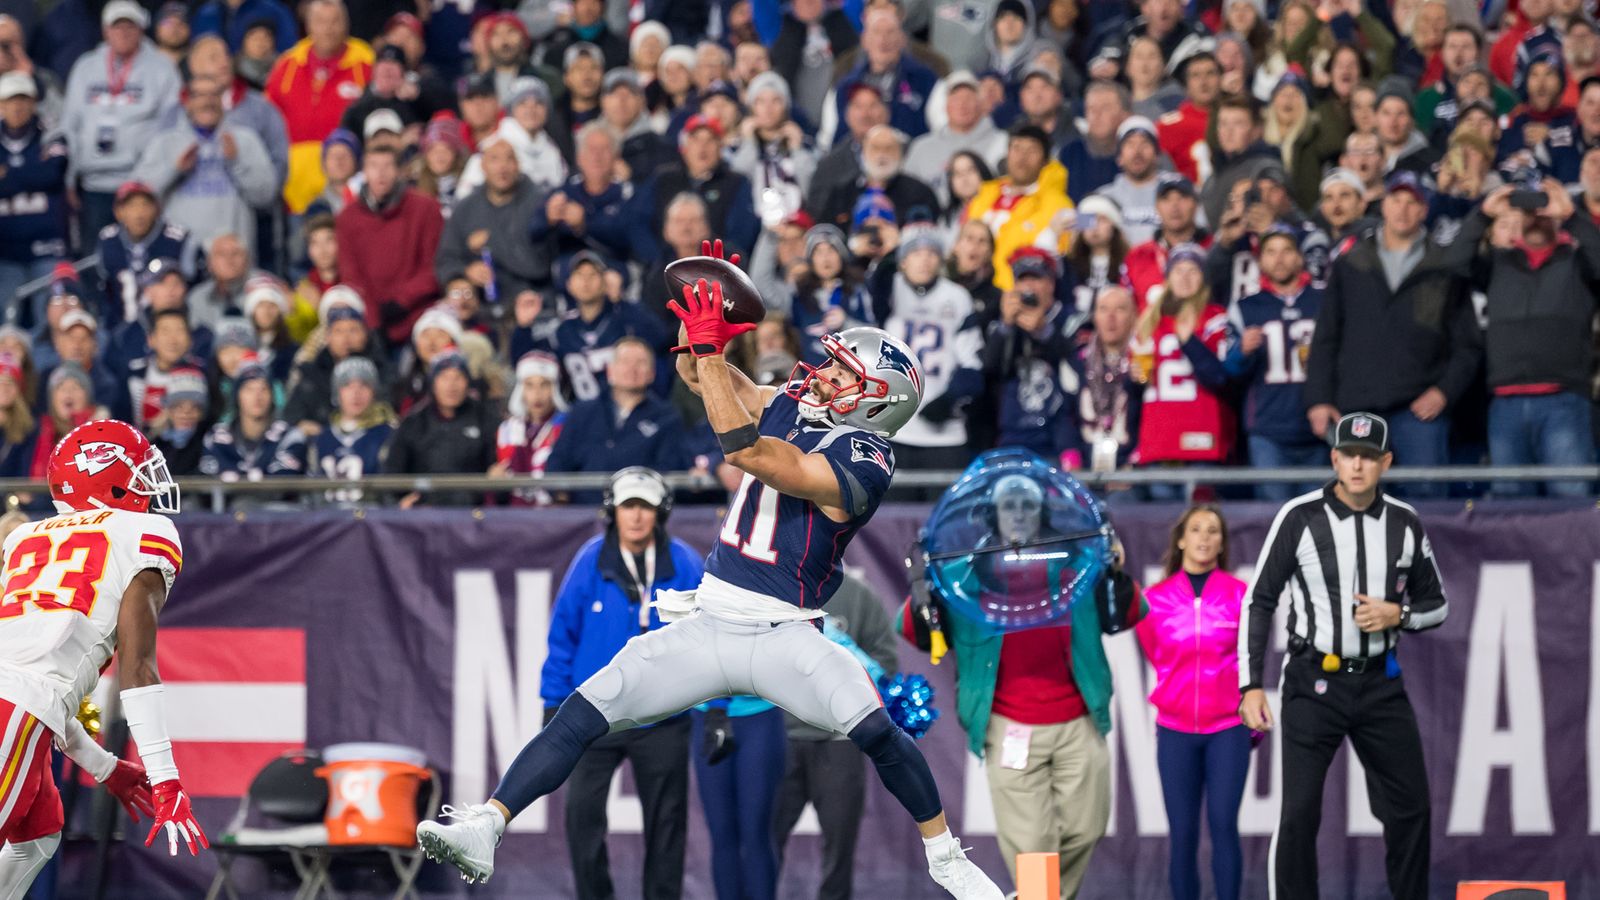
[
  {"x": 468, "y": 843},
  {"x": 962, "y": 878}
]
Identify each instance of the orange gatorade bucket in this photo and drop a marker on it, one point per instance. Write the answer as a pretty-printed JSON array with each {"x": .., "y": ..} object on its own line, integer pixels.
[{"x": 372, "y": 793}]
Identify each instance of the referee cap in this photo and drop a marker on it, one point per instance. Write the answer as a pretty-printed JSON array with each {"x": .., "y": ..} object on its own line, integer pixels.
[{"x": 1364, "y": 430}]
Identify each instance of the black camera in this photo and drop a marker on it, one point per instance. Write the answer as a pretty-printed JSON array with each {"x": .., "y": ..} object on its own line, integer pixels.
[
  {"x": 1030, "y": 299},
  {"x": 1252, "y": 196},
  {"x": 1528, "y": 200}
]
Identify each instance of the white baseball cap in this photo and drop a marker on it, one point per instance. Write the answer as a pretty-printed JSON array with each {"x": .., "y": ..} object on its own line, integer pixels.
[
  {"x": 118, "y": 10},
  {"x": 638, "y": 483},
  {"x": 382, "y": 120},
  {"x": 17, "y": 84}
]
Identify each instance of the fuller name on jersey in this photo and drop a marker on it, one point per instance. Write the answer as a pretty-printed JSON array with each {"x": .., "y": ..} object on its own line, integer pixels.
[{"x": 64, "y": 581}]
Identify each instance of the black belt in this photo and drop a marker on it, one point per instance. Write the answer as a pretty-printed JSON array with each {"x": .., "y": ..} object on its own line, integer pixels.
[{"x": 1332, "y": 663}]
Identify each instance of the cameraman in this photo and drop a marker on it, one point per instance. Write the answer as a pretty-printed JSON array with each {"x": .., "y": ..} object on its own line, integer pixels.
[
  {"x": 1035, "y": 703},
  {"x": 1540, "y": 339},
  {"x": 1024, "y": 352}
]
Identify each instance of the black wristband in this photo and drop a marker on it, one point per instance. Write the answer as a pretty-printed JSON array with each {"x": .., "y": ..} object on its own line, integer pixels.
[{"x": 738, "y": 439}]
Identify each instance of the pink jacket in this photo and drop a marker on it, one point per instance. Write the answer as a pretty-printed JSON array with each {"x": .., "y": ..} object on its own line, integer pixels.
[{"x": 1193, "y": 644}]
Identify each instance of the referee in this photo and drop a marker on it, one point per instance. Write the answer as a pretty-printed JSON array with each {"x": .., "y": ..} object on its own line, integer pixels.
[{"x": 1357, "y": 570}]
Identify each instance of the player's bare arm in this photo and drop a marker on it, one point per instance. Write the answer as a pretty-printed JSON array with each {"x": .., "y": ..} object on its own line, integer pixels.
[
  {"x": 777, "y": 464},
  {"x": 136, "y": 630}
]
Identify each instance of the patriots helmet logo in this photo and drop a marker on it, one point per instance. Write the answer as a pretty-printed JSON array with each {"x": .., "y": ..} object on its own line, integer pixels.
[
  {"x": 892, "y": 358},
  {"x": 94, "y": 458}
]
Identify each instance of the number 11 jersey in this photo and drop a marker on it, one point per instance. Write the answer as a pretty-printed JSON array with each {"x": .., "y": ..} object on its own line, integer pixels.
[
  {"x": 64, "y": 581},
  {"x": 784, "y": 547}
]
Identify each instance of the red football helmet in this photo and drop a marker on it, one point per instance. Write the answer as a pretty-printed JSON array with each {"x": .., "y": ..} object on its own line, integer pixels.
[{"x": 109, "y": 464}]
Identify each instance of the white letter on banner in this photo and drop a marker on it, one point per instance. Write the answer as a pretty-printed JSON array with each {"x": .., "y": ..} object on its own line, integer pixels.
[
  {"x": 1594, "y": 701},
  {"x": 1134, "y": 727},
  {"x": 487, "y": 702},
  {"x": 977, "y": 803},
  {"x": 1502, "y": 636}
]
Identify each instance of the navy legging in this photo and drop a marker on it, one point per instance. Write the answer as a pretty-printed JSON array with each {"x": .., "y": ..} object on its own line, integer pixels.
[
  {"x": 1212, "y": 768},
  {"x": 738, "y": 795}
]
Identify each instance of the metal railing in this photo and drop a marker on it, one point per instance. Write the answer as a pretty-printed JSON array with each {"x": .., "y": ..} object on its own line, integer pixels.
[{"x": 376, "y": 487}]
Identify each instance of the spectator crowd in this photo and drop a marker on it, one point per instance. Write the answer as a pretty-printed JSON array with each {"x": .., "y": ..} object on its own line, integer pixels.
[{"x": 290, "y": 240}]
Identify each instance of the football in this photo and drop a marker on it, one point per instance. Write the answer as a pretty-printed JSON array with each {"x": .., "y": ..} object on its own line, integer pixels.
[{"x": 741, "y": 302}]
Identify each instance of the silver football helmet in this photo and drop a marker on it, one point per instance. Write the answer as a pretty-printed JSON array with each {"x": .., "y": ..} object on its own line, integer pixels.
[{"x": 888, "y": 387}]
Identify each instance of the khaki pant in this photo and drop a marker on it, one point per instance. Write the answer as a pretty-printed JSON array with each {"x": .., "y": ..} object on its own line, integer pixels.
[{"x": 1060, "y": 803}]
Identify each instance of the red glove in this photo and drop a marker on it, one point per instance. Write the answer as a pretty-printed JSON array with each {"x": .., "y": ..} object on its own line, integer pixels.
[
  {"x": 129, "y": 784},
  {"x": 714, "y": 250},
  {"x": 172, "y": 810},
  {"x": 708, "y": 332}
]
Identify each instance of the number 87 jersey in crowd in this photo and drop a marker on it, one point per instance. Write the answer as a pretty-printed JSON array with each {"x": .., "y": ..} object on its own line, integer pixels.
[{"x": 65, "y": 576}]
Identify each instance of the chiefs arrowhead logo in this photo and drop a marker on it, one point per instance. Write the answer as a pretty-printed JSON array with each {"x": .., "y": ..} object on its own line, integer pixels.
[{"x": 94, "y": 458}]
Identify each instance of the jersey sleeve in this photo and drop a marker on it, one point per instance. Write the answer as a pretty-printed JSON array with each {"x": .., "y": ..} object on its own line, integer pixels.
[
  {"x": 864, "y": 465},
  {"x": 159, "y": 548}
]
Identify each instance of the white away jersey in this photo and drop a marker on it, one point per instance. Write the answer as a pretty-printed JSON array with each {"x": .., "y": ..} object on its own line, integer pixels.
[
  {"x": 940, "y": 328},
  {"x": 64, "y": 580}
]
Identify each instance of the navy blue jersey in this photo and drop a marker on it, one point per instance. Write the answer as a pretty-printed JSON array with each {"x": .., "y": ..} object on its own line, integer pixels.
[
  {"x": 784, "y": 547},
  {"x": 122, "y": 259},
  {"x": 585, "y": 348},
  {"x": 352, "y": 454},
  {"x": 1277, "y": 370},
  {"x": 281, "y": 451},
  {"x": 33, "y": 194}
]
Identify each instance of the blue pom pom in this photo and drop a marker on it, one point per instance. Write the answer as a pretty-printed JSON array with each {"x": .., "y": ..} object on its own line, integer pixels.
[{"x": 908, "y": 699}]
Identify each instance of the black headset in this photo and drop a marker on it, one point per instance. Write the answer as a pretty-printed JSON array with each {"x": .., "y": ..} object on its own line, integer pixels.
[{"x": 609, "y": 503}]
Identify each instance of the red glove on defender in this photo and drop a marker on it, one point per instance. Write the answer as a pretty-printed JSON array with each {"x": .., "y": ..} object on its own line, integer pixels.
[
  {"x": 172, "y": 810},
  {"x": 128, "y": 783},
  {"x": 708, "y": 333}
]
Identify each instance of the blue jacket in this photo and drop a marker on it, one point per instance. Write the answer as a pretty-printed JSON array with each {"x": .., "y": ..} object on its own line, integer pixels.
[
  {"x": 594, "y": 441},
  {"x": 908, "y": 99},
  {"x": 594, "y": 615},
  {"x": 616, "y": 225}
]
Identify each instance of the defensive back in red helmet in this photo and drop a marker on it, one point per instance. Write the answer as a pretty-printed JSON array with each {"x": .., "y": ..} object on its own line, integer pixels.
[{"x": 107, "y": 464}]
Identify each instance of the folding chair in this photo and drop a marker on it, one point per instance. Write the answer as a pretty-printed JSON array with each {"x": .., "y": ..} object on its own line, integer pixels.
[
  {"x": 405, "y": 860},
  {"x": 287, "y": 793}
]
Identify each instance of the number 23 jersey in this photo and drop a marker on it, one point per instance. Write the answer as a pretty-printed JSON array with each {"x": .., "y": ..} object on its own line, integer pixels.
[
  {"x": 783, "y": 546},
  {"x": 64, "y": 581}
]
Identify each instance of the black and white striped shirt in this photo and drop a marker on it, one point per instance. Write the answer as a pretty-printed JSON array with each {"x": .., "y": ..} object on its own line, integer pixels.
[{"x": 1319, "y": 554}]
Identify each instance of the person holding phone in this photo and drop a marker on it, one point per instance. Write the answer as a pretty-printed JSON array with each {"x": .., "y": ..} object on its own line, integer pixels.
[{"x": 1540, "y": 339}]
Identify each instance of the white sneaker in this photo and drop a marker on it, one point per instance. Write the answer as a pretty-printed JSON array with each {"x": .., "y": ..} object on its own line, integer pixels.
[
  {"x": 467, "y": 843},
  {"x": 961, "y": 877}
]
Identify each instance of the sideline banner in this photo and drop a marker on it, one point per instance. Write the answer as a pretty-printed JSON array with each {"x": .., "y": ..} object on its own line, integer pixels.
[{"x": 427, "y": 628}]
